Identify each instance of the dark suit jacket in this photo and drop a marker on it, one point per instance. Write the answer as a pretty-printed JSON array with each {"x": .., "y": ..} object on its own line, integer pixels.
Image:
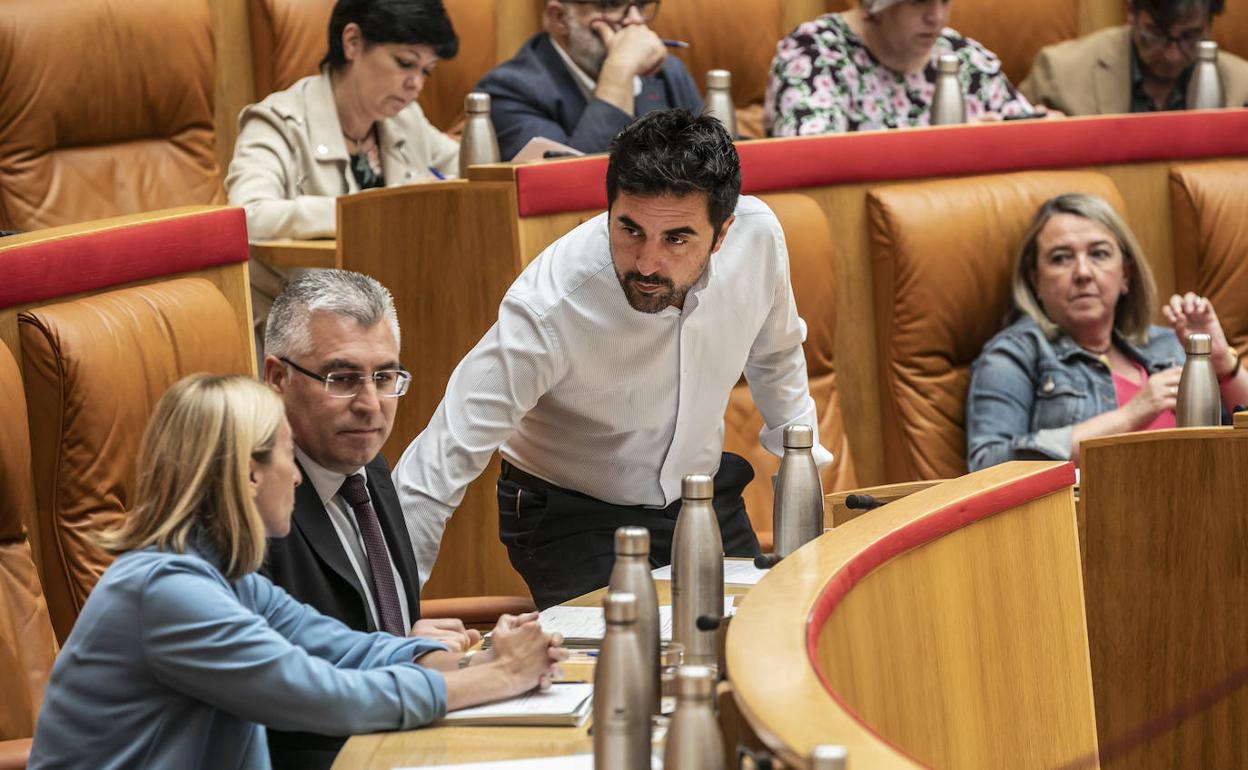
[
  {"x": 312, "y": 566},
  {"x": 533, "y": 94}
]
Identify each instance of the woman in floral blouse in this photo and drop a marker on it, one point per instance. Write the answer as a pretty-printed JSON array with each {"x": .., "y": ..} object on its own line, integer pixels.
[{"x": 875, "y": 67}]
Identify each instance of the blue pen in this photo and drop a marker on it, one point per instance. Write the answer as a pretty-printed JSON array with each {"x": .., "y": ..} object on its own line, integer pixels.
[
  {"x": 675, "y": 44},
  {"x": 437, "y": 174}
]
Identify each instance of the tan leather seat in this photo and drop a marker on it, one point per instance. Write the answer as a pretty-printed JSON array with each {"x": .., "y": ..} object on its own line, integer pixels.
[
  {"x": 27, "y": 645},
  {"x": 1230, "y": 30},
  {"x": 94, "y": 369},
  {"x": 812, "y": 266},
  {"x": 289, "y": 37},
  {"x": 1015, "y": 30},
  {"x": 1211, "y": 239},
  {"x": 741, "y": 39},
  {"x": 941, "y": 254},
  {"x": 105, "y": 109}
]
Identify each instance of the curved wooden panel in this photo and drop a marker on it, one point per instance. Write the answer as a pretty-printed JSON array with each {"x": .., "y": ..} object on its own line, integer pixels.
[
  {"x": 1166, "y": 572},
  {"x": 945, "y": 628}
]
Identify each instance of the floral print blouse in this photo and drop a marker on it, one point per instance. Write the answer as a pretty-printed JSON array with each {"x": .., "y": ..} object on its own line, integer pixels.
[{"x": 824, "y": 80}]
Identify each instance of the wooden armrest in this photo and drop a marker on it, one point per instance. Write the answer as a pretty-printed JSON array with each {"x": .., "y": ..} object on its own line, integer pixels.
[
  {"x": 476, "y": 610},
  {"x": 14, "y": 753},
  {"x": 885, "y": 493}
]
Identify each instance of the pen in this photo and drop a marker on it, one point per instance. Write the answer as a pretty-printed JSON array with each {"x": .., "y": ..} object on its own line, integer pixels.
[
  {"x": 437, "y": 174},
  {"x": 675, "y": 44}
]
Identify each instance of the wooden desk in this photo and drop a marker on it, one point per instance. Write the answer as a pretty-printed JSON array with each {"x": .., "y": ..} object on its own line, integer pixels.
[
  {"x": 447, "y": 745},
  {"x": 289, "y": 253}
]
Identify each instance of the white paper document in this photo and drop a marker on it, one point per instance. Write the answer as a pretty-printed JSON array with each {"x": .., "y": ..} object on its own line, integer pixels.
[
  {"x": 737, "y": 572},
  {"x": 585, "y": 625},
  {"x": 571, "y": 762},
  {"x": 566, "y": 703}
]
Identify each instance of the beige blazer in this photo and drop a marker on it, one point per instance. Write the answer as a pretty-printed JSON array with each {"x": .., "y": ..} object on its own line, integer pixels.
[
  {"x": 291, "y": 161},
  {"x": 1091, "y": 75}
]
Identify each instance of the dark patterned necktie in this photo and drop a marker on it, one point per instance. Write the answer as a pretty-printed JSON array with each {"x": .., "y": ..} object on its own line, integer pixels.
[{"x": 384, "y": 592}]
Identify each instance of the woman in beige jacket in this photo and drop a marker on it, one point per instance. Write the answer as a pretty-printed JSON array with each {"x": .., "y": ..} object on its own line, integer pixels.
[{"x": 354, "y": 126}]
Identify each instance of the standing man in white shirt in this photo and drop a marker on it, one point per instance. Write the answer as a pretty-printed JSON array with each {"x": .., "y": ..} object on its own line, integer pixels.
[{"x": 605, "y": 380}]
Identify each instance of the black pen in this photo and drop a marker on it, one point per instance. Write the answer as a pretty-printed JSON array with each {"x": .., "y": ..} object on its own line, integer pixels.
[{"x": 675, "y": 44}]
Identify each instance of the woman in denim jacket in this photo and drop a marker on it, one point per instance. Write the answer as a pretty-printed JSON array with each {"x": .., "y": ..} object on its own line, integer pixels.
[{"x": 1082, "y": 359}]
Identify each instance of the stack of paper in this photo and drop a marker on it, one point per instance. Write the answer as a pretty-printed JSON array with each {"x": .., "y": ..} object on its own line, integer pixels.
[
  {"x": 739, "y": 572},
  {"x": 583, "y": 627},
  {"x": 564, "y": 704}
]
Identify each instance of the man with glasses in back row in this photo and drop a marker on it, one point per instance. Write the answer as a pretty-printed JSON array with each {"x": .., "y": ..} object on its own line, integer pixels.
[
  {"x": 595, "y": 68},
  {"x": 332, "y": 354},
  {"x": 1143, "y": 66}
]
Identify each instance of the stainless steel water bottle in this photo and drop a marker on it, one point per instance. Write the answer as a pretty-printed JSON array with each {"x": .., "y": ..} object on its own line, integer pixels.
[
  {"x": 719, "y": 99},
  {"x": 631, "y": 574},
  {"x": 829, "y": 757},
  {"x": 1204, "y": 90},
  {"x": 797, "y": 508},
  {"x": 478, "y": 144},
  {"x": 694, "y": 740},
  {"x": 948, "y": 103},
  {"x": 1200, "y": 402},
  {"x": 621, "y": 707},
  {"x": 697, "y": 570}
]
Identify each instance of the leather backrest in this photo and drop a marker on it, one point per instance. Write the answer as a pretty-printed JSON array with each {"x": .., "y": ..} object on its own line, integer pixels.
[
  {"x": 106, "y": 108},
  {"x": 93, "y": 370},
  {"x": 1210, "y": 217},
  {"x": 812, "y": 268},
  {"x": 1015, "y": 30},
  {"x": 27, "y": 645},
  {"x": 941, "y": 253},
  {"x": 739, "y": 37},
  {"x": 1230, "y": 29},
  {"x": 289, "y": 37}
]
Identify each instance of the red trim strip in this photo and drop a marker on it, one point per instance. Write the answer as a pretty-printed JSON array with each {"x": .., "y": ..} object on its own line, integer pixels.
[
  {"x": 918, "y": 533},
  {"x": 97, "y": 260},
  {"x": 818, "y": 161}
]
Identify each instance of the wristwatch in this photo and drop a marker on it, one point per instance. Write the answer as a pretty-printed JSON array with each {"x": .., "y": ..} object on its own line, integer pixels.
[{"x": 466, "y": 660}]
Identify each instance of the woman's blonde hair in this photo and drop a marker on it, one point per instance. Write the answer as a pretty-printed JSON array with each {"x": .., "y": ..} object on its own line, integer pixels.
[
  {"x": 1134, "y": 312},
  {"x": 194, "y": 466}
]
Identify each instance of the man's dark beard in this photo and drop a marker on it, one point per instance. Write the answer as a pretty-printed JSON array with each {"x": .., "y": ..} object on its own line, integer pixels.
[{"x": 649, "y": 303}]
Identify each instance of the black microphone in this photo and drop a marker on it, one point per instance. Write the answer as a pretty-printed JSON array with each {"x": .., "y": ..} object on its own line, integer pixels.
[
  {"x": 862, "y": 502},
  {"x": 1239, "y": 408},
  {"x": 766, "y": 561},
  {"x": 707, "y": 622}
]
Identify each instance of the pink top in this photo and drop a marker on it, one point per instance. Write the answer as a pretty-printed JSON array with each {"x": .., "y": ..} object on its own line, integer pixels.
[{"x": 1125, "y": 390}]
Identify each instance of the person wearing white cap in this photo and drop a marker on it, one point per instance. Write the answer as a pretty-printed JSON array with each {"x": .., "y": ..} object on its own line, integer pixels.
[{"x": 874, "y": 66}]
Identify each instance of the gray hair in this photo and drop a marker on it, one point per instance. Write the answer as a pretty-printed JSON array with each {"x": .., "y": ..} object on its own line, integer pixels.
[
  {"x": 340, "y": 292},
  {"x": 1134, "y": 312}
]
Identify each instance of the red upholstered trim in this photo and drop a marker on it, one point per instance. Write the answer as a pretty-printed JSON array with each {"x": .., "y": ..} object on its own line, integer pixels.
[
  {"x": 96, "y": 260},
  {"x": 917, "y": 533},
  {"x": 817, "y": 161}
]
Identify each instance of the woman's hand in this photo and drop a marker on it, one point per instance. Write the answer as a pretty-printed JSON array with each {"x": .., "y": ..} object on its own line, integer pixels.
[
  {"x": 529, "y": 655},
  {"x": 1193, "y": 314},
  {"x": 448, "y": 631},
  {"x": 1159, "y": 394}
]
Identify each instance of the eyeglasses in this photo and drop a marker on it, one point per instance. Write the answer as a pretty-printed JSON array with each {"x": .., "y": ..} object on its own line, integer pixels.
[
  {"x": 390, "y": 383},
  {"x": 1156, "y": 41},
  {"x": 614, "y": 11}
]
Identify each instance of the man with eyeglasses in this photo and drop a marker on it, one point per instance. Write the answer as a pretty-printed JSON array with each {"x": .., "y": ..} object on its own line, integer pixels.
[
  {"x": 1143, "y": 66},
  {"x": 332, "y": 354},
  {"x": 595, "y": 68}
]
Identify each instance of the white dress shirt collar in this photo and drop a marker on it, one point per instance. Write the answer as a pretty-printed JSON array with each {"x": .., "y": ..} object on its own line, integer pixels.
[{"x": 324, "y": 481}]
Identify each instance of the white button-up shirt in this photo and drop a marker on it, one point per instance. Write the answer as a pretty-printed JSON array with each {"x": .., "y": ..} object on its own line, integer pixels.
[
  {"x": 578, "y": 388},
  {"x": 327, "y": 483}
]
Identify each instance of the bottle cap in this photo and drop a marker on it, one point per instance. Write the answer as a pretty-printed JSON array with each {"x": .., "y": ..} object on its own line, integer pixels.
[
  {"x": 1199, "y": 344},
  {"x": 697, "y": 486},
  {"x": 619, "y": 608},
  {"x": 695, "y": 683},
  {"x": 829, "y": 757},
  {"x": 799, "y": 437},
  {"x": 632, "y": 541},
  {"x": 477, "y": 102},
  {"x": 947, "y": 63},
  {"x": 1207, "y": 51},
  {"x": 718, "y": 79}
]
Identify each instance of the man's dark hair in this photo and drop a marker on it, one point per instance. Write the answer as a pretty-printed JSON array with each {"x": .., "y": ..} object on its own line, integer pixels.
[
  {"x": 673, "y": 152},
  {"x": 409, "y": 22},
  {"x": 1167, "y": 12}
]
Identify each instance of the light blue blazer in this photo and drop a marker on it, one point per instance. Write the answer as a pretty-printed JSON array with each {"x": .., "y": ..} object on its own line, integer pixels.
[{"x": 172, "y": 666}]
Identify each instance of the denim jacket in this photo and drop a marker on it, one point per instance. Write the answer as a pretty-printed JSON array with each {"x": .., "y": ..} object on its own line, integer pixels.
[{"x": 1028, "y": 392}]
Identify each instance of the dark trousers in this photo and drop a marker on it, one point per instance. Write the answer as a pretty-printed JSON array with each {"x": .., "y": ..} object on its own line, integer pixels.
[{"x": 563, "y": 542}]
